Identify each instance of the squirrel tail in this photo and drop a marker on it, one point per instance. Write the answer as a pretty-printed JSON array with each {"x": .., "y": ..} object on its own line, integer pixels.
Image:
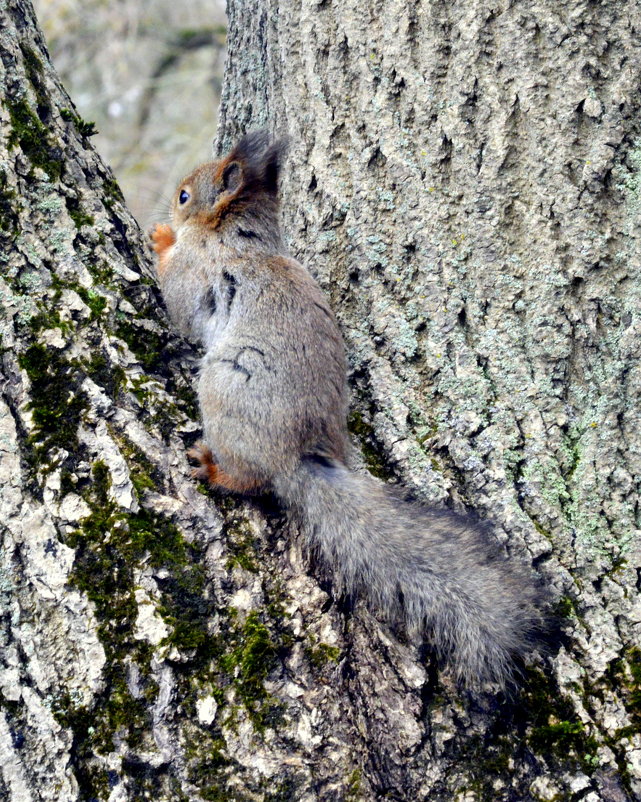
[{"x": 431, "y": 567}]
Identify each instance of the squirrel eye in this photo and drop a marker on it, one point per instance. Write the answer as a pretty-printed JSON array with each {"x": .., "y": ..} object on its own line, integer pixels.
[{"x": 183, "y": 197}]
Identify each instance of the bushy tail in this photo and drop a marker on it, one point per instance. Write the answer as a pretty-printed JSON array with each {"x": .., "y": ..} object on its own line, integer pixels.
[{"x": 430, "y": 565}]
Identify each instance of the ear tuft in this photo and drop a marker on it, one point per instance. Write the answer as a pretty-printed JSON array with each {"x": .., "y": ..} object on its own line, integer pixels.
[
  {"x": 260, "y": 158},
  {"x": 272, "y": 161},
  {"x": 251, "y": 146}
]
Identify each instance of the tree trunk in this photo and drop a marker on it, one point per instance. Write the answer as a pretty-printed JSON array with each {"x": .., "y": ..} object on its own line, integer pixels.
[{"x": 463, "y": 181}]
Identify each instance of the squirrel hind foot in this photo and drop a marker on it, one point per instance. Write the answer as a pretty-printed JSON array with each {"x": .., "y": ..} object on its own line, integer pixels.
[{"x": 208, "y": 471}]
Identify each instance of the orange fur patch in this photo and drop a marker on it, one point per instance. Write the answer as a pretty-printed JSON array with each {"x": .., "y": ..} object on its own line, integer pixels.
[
  {"x": 163, "y": 238},
  {"x": 214, "y": 218},
  {"x": 208, "y": 471}
]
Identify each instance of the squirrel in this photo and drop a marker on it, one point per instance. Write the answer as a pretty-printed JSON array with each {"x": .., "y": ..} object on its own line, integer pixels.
[{"x": 272, "y": 389}]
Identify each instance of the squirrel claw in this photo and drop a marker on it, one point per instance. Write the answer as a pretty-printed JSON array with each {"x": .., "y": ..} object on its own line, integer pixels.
[
  {"x": 207, "y": 468},
  {"x": 209, "y": 472},
  {"x": 202, "y": 474},
  {"x": 201, "y": 453}
]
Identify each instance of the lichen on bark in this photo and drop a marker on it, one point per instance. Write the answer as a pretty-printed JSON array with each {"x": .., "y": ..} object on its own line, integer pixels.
[{"x": 463, "y": 183}]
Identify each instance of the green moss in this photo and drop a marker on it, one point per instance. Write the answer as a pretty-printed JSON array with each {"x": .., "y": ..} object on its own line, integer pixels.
[
  {"x": 143, "y": 473},
  {"x": 354, "y": 782},
  {"x": 214, "y": 793},
  {"x": 68, "y": 482},
  {"x": 112, "y": 192},
  {"x": 110, "y": 377},
  {"x": 487, "y": 759},
  {"x": 109, "y": 545},
  {"x": 29, "y": 128},
  {"x": 561, "y": 736},
  {"x": 618, "y": 565},
  {"x": 634, "y": 662},
  {"x": 164, "y": 418},
  {"x": 242, "y": 545},
  {"x": 626, "y": 673},
  {"x": 322, "y": 654},
  {"x": 33, "y": 138},
  {"x": 556, "y": 732},
  {"x": 371, "y": 450},
  {"x": 96, "y": 302},
  {"x": 84, "y": 128},
  {"x": 206, "y": 763},
  {"x": 250, "y": 661},
  {"x": 147, "y": 346},
  {"x": 422, "y": 428},
  {"x": 565, "y": 608},
  {"x": 33, "y": 66},
  {"x": 102, "y": 272},
  {"x": 8, "y": 200},
  {"x": 77, "y": 214},
  {"x": 57, "y": 402},
  {"x": 224, "y": 794},
  {"x": 541, "y": 530},
  {"x": 154, "y": 351},
  {"x": 36, "y": 77},
  {"x": 235, "y": 659},
  {"x": 186, "y": 610},
  {"x": 287, "y": 790},
  {"x": 140, "y": 388},
  {"x": 101, "y": 568},
  {"x": 185, "y": 396}
]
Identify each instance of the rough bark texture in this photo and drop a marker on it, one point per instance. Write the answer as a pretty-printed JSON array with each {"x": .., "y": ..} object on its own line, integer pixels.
[{"x": 463, "y": 181}]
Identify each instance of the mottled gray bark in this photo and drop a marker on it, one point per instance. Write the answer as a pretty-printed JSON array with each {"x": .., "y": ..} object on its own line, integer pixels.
[
  {"x": 463, "y": 180},
  {"x": 104, "y": 537}
]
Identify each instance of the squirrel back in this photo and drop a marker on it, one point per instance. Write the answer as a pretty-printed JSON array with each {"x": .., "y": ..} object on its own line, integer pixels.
[{"x": 273, "y": 399}]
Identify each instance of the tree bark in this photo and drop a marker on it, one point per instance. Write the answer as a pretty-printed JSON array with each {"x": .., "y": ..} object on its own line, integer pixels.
[{"x": 463, "y": 181}]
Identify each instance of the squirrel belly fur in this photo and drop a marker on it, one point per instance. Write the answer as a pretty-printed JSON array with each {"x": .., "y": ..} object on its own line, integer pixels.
[{"x": 273, "y": 399}]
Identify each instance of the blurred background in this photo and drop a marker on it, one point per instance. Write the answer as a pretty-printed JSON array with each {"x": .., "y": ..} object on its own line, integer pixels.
[{"x": 149, "y": 75}]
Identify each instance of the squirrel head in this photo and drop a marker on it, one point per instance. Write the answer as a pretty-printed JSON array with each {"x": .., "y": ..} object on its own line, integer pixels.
[{"x": 243, "y": 183}]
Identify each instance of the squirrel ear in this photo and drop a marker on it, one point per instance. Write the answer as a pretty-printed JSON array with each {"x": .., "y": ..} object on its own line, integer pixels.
[
  {"x": 260, "y": 159},
  {"x": 232, "y": 176}
]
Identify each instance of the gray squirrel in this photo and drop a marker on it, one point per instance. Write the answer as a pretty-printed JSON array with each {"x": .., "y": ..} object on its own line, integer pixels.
[{"x": 273, "y": 399}]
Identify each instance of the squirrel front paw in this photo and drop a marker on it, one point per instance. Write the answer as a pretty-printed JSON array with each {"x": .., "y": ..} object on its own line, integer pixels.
[{"x": 162, "y": 238}]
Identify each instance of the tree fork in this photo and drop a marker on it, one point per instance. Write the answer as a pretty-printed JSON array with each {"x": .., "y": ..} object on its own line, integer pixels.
[{"x": 463, "y": 181}]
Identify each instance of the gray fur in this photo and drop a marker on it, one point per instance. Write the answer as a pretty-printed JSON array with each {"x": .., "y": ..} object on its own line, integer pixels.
[
  {"x": 431, "y": 567},
  {"x": 272, "y": 392}
]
